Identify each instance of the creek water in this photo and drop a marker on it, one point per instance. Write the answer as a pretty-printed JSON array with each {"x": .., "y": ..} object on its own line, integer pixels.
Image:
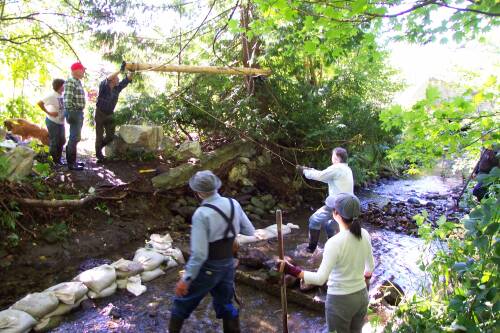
[{"x": 396, "y": 255}]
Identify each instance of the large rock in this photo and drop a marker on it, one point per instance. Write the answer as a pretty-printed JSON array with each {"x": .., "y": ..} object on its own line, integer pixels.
[
  {"x": 239, "y": 173},
  {"x": 20, "y": 162},
  {"x": 175, "y": 177},
  {"x": 167, "y": 147},
  {"x": 188, "y": 150},
  {"x": 147, "y": 137}
]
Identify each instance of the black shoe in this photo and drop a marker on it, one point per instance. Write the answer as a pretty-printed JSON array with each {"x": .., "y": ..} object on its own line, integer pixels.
[
  {"x": 175, "y": 325},
  {"x": 231, "y": 325},
  {"x": 313, "y": 240},
  {"x": 80, "y": 163},
  {"x": 75, "y": 167}
]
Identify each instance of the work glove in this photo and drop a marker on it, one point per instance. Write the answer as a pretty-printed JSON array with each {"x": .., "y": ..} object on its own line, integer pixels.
[
  {"x": 181, "y": 288},
  {"x": 287, "y": 268},
  {"x": 122, "y": 67}
]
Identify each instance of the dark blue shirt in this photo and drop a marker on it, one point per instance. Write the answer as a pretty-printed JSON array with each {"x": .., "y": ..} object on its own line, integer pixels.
[{"x": 107, "y": 98}]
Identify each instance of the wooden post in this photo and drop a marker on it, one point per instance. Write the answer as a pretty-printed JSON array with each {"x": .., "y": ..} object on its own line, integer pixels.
[
  {"x": 197, "y": 69},
  {"x": 281, "y": 253}
]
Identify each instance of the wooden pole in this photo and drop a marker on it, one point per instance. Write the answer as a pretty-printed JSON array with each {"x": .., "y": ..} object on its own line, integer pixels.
[
  {"x": 197, "y": 69},
  {"x": 281, "y": 253}
]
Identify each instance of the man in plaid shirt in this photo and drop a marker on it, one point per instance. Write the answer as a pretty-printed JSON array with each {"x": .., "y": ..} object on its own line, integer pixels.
[{"x": 74, "y": 103}]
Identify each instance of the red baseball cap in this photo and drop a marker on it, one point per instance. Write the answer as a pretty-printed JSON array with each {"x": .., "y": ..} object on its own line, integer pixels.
[{"x": 76, "y": 66}]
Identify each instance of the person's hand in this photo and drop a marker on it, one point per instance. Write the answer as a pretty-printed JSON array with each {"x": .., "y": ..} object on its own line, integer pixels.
[
  {"x": 368, "y": 276},
  {"x": 53, "y": 113},
  {"x": 122, "y": 67},
  {"x": 181, "y": 288},
  {"x": 287, "y": 268}
]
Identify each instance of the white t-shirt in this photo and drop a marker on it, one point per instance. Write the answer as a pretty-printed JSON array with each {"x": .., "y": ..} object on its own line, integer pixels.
[
  {"x": 338, "y": 177},
  {"x": 345, "y": 260},
  {"x": 53, "y": 102}
]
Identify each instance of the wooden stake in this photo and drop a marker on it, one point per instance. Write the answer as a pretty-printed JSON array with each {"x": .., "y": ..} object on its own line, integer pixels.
[
  {"x": 281, "y": 253},
  {"x": 197, "y": 69}
]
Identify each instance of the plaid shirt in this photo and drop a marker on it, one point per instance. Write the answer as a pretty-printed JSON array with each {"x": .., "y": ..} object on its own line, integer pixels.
[{"x": 74, "y": 95}]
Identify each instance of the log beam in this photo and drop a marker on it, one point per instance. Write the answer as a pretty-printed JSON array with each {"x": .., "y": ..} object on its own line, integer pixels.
[{"x": 197, "y": 69}]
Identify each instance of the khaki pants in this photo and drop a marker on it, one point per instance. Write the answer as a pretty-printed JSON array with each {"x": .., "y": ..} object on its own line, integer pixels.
[
  {"x": 346, "y": 313},
  {"x": 103, "y": 123}
]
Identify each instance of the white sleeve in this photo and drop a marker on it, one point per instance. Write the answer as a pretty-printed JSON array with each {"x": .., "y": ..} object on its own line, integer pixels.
[
  {"x": 369, "y": 261},
  {"x": 329, "y": 259},
  {"x": 322, "y": 176}
]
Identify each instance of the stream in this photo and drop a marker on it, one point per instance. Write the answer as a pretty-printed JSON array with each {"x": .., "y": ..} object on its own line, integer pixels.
[{"x": 396, "y": 255}]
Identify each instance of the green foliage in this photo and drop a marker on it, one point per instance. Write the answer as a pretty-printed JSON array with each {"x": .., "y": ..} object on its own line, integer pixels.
[
  {"x": 20, "y": 107},
  {"x": 55, "y": 233},
  {"x": 4, "y": 166},
  {"x": 445, "y": 127},
  {"x": 464, "y": 274}
]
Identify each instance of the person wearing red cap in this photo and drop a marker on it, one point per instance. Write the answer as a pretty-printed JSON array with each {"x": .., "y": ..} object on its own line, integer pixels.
[{"x": 74, "y": 103}]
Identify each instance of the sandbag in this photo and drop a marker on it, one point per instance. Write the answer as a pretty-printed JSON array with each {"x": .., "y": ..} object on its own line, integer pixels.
[
  {"x": 15, "y": 321},
  {"x": 165, "y": 239},
  {"x": 134, "y": 285},
  {"x": 69, "y": 292},
  {"x": 37, "y": 305},
  {"x": 264, "y": 234},
  {"x": 121, "y": 283},
  {"x": 149, "y": 259},
  {"x": 98, "y": 278},
  {"x": 63, "y": 308},
  {"x": 244, "y": 239},
  {"x": 126, "y": 268},
  {"x": 285, "y": 228},
  {"x": 104, "y": 292},
  {"x": 151, "y": 275},
  {"x": 171, "y": 263},
  {"x": 48, "y": 323},
  {"x": 176, "y": 254}
]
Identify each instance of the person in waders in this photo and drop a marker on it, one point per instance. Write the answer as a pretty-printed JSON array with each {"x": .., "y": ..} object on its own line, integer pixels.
[
  {"x": 347, "y": 267},
  {"x": 339, "y": 178},
  {"x": 210, "y": 268}
]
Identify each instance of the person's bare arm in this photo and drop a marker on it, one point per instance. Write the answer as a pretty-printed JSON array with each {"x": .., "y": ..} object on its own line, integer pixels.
[{"x": 113, "y": 75}]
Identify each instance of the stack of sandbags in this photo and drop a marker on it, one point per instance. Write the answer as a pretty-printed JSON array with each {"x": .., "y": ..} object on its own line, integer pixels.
[
  {"x": 15, "y": 321},
  {"x": 266, "y": 233},
  {"x": 128, "y": 276},
  {"x": 151, "y": 261},
  {"x": 70, "y": 295},
  {"x": 38, "y": 306},
  {"x": 163, "y": 245},
  {"x": 101, "y": 281}
]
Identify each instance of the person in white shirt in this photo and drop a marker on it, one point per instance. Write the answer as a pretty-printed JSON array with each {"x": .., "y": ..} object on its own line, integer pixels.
[
  {"x": 339, "y": 178},
  {"x": 347, "y": 264},
  {"x": 52, "y": 106}
]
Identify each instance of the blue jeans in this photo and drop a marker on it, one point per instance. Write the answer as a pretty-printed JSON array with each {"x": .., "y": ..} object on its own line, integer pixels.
[
  {"x": 75, "y": 121},
  {"x": 217, "y": 278},
  {"x": 322, "y": 218},
  {"x": 57, "y": 139}
]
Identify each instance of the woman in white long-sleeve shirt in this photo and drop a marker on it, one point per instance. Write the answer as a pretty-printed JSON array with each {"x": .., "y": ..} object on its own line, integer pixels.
[{"x": 347, "y": 265}]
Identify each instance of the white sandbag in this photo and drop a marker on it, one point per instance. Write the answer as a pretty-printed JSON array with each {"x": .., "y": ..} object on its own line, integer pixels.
[
  {"x": 244, "y": 239},
  {"x": 176, "y": 254},
  {"x": 63, "y": 308},
  {"x": 103, "y": 293},
  {"x": 97, "y": 278},
  {"x": 148, "y": 258},
  {"x": 37, "y": 305},
  {"x": 121, "y": 283},
  {"x": 165, "y": 239},
  {"x": 134, "y": 285},
  {"x": 285, "y": 228},
  {"x": 15, "y": 321},
  {"x": 264, "y": 234},
  {"x": 158, "y": 247},
  {"x": 69, "y": 292},
  {"x": 126, "y": 268},
  {"x": 151, "y": 275},
  {"x": 172, "y": 263},
  {"x": 48, "y": 323}
]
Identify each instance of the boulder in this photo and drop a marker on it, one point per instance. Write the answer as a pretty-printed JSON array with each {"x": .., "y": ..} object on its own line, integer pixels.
[
  {"x": 20, "y": 162},
  {"x": 390, "y": 291},
  {"x": 257, "y": 203},
  {"x": 175, "y": 177},
  {"x": 264, "y": 159},
  {"x": 188, "y": 150},
  {"x": 238, "y": 174},
  {"x": 167, "y": 147},
  {"x": 413, "y": 201},
  {"x": 148, "y": 137}
]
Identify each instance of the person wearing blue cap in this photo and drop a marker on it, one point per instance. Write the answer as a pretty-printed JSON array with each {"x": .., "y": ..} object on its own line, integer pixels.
[
  {"x": 347, "y": 267},
  {"x": 210, "y": 268},
  {"x": 339, "y": 178}
]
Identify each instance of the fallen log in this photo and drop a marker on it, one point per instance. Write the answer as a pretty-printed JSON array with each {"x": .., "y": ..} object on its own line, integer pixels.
[
  {"x": 65, "y": 203},
  {"x": 310, "y": 301},
  {"x": 198, "y": 69}
]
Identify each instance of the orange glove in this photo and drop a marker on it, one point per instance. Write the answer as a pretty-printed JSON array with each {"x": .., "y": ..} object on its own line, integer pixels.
[{"x": 181, "y": 288}]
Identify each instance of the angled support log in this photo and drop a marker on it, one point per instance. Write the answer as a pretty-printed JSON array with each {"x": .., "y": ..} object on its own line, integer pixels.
[{"x": 198, "y": 69}]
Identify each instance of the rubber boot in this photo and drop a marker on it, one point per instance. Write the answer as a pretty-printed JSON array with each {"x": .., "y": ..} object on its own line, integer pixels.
[
  {"x": 313, "y": 240},
  {"x": 175, "y": 325},
  {"x": 231, "y": 325},
  {"x": 332, "y": 228}
]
